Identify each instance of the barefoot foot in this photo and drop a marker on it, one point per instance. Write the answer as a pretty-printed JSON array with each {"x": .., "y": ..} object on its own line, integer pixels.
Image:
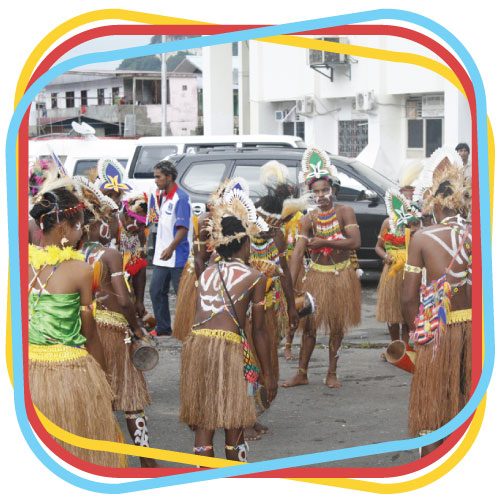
[
  {"x": 331, "y": 381},
  {"x": 288, "y": 353},
  {"x": 299, "y": 379},
  {"x": 261, "y": 429},
  {"x": 250, "y": 434}
]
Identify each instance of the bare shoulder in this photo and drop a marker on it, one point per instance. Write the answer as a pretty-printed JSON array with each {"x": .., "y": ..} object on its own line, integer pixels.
[{"x": 78, "y": 268}]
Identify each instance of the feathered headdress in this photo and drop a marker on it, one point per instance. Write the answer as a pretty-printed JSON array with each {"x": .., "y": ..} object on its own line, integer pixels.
[
  {"x": 282, "y": 200},
  {"x": 153, "y": 214},
  {"x": 227, "y": 185},
  {"x": 442, "y": 182},
  {"x": 316, "y": 165},
  {"x": 410, "y": 173},
  {"x": 401, "y": 211},
  {"x": 135, "y": 203},
  {"x": 235, "y": 203},
  {"x": 44, "y": 177},
  {"x": 99, "y": 204},
  {"x": 111, "y": 176}
]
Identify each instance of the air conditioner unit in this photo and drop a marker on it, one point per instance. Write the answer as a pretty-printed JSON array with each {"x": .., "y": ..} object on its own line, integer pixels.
[
  {"x": 322, "y": 58},
  {"x": 304, "y": 106},
  {"x": 365, "y": 101}
]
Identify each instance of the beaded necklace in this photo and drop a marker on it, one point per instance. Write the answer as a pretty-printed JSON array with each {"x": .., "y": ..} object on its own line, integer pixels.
[
  {"x": 326, "y": 224},
  {"x": 264, "y": 249}
]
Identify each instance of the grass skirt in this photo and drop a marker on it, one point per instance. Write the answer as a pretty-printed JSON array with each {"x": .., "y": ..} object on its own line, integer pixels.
[
  {"x": 214, "y": 391},
  {"x": 70, "y": 388},
  {"x": 338, "y": 299},
  {"x": 389, "y": 294},
  {"x": 186, "y": 303},
  {"x": 127, "y": 382},
  {"x": 440, "y": 387}
]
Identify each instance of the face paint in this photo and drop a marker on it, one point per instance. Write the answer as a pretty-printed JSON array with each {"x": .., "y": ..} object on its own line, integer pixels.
[
  {"x": 78, "y": 226},
  {"x": 104, "y": 231},
  {"x": 322, "y": 196}
]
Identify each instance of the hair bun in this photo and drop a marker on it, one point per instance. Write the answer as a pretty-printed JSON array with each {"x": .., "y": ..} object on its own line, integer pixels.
[{"x": 44, "y": 206}]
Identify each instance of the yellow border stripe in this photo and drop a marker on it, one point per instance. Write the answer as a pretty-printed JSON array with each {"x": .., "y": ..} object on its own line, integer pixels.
[
  {"x": 413, "y": 484},
  {"x": 400, "y": 57},
  {"x": 78, "y": 22},
  {"x": 129, "y": 449},
  {"x": 356, "y": 50}
]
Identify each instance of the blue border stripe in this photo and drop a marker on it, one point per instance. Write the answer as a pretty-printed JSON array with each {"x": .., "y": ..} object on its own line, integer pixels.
[{"x": 301, "y": 460}]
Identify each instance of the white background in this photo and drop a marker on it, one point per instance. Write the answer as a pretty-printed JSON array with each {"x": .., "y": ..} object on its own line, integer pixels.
[{"x": 25, "y": 24}]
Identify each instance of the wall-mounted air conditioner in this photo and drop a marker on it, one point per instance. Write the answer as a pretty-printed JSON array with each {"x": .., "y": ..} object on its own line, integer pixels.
[
  {"x": 365, "y": 101},
  {"x": 304, "y": 105},
  {"x": 322, "y": 57}
]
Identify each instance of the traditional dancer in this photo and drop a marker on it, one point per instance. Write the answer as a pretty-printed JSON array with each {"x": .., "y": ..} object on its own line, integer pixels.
[
  {"x": 66, "y": 363},
  {"x": 198, "y": 260},
  {"x": 115, "y": 317},
  {"x": 392, "y": 248},
  {"x": 218, "y": 370},
  {"x": 439, "y": 310},
  {"x": 329, "y": 232}
]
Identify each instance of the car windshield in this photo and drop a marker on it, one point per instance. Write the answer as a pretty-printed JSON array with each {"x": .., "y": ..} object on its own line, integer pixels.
[{"x": 376, "y": 177}]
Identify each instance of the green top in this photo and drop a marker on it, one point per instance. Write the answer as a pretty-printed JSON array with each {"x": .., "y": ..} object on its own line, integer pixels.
[{"x": 56, "y": 320}]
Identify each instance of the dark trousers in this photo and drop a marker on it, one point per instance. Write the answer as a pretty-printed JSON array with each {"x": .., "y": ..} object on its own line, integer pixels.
[{"x": 158, "y": 290}]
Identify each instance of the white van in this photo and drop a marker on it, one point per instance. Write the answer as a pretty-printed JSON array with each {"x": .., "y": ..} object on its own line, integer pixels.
[
  {"x": 150, "y": 150},
  {"x": 81, "y": 155}
]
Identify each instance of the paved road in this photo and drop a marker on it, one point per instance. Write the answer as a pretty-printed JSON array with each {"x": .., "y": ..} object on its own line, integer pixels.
[{"x": 370, "y": 407}]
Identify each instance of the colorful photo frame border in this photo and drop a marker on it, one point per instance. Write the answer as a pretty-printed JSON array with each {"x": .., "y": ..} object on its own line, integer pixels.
[{"x": 467, "y": 76}]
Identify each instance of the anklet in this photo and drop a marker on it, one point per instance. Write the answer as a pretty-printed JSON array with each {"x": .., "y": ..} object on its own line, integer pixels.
[
  {"x": 201, "y": 449},
  {"x": 288, "y": 344},
  {"x": 242, "y": 450},
  {"x": 301, "y": 370}
]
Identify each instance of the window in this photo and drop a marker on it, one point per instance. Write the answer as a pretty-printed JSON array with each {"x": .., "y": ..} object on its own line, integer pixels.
[
  {"x": 70, "y": 99},
  {"x": 353, "y": 137},
  {"x": 184, "y": 87},
  {"x": 83, "y": 98},
  {"x": 250, "y": 171},
  {"x": 53, "y": 100},
  {"x": 425, "y": 123},
  {"x": 148, "y": 157},
  {"x": 115, "y": 94},
  {"x": 350, "y": 188},
  {"x": 294, "y": 128},
  {"x": 83, "y": 167},
  {"x": 204, "y": 177},
  {"x": 100, "y": 97}
]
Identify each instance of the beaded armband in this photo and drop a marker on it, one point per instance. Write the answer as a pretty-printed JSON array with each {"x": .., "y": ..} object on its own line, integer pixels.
[
  {"x": 351, "y": 225},
  {"x": 302, "y": 236},
  {"x": 412, "y": 269},
  {"x": 282, "y": 254},
  {"x": 263, "y": 303},
  {"x": 119, "y": 273},
  {"x": 91, "y": 307}
]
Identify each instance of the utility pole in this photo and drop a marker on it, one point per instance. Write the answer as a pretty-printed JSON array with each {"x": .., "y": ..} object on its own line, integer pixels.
[{"x": 163, "y": 89}]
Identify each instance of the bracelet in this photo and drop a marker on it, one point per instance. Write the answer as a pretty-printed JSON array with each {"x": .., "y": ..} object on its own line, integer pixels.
[
  {"x": 90, "y": 307},
  {"x": 412, "y": 269},
  {"x": 351, "y": 225},
  {"x": 282, "y": 254},
  {"x": 120, "y": 273}
]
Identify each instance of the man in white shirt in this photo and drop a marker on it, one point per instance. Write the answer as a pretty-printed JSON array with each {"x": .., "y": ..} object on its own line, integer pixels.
[{"x": 173, "y": 242}]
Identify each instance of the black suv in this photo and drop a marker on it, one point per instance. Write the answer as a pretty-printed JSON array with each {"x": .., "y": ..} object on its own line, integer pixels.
[{"x": 361, "y": 187}]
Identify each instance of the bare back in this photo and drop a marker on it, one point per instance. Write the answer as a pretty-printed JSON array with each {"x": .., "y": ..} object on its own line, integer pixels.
[{"x": 240, "y": 281}]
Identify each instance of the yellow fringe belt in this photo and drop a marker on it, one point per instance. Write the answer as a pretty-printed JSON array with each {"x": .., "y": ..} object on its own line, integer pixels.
[
  {"x": 332, "y": 267},
  {"x": 459, "y": 316},
  {"x": 111, "y": 318},
  {"x": 221, "y": 334},
  {"x": 55, "y": 353}
]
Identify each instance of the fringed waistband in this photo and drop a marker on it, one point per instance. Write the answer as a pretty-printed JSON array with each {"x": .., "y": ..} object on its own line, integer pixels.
[
  {"x": 397, "y": 251},
  {"x": 55, "y": 353},
  {"x": 459, "y": 316},
  {"x": 222, "y": 334},
  {"x": 332, "y": 267},
  {"x": 111, "y": 318}
]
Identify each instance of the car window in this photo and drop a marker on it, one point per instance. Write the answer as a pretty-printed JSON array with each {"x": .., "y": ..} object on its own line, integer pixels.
[
  {"x": 201, "y": 148},
  {"x": 350, "y": 187},
  {"x": 83, "y": 167},
  {"x": 204, "y": 177},
  {"x": 250, "y": 171},
  {"x": 148, "y": 157}
]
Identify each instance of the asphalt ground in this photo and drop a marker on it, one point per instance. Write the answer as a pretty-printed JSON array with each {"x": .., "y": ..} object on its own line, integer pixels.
[{"x": 370, "y": 407}]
